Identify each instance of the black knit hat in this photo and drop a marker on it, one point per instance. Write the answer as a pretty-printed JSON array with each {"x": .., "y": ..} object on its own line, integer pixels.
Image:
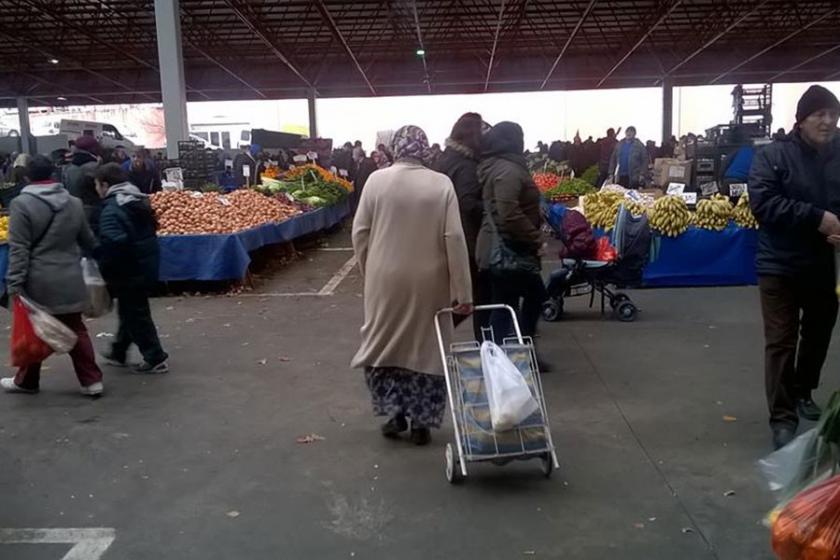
[{"x": 815, "y": 99}]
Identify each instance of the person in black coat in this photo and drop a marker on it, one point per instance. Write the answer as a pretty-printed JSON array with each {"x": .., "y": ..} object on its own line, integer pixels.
[
  {"x": 794, "y": 189},
  {"x": 129, "y": 259},
  {"x": 459, "y": 162}
]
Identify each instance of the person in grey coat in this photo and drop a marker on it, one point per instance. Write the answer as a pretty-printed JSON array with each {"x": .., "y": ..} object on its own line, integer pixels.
[
  {"x": 630, "y": 161},
  {"x": 47, "y": 231}
]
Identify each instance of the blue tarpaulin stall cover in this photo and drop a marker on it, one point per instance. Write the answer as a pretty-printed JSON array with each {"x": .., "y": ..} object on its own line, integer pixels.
[
  {"x": 224, "y": 256},
  {"x": 698, "y": 257}
]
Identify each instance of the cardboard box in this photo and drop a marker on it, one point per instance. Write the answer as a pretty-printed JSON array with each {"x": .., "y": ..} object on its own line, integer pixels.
[{"x": 668, "y": 170}]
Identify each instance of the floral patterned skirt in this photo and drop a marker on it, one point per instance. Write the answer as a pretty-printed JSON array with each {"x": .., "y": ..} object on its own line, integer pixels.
[{"x": 419, "y": 396}]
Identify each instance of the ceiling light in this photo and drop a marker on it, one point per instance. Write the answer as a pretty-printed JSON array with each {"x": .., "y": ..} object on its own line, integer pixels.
[
  {"x": 53, "y": 61},
  {"x": 421, "y": 52},
  {"x": 61, "y": 98}
]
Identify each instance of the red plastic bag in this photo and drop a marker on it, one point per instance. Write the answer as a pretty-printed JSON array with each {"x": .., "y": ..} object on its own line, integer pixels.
[
  {"x": 808, "y": 527},
  {"x": 605, "y": 251},
  {"x": 27, "y": 348}
]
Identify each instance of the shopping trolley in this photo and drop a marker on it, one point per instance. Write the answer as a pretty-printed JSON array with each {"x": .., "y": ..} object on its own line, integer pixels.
[{"x": 475, "y": 440}]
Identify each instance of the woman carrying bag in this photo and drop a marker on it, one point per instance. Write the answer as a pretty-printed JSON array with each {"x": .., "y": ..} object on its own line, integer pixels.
[{"x": 511, "y": 239}]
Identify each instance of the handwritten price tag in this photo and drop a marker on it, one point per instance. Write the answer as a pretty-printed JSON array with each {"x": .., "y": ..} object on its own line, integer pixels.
[
  {"x": 676, "y": 188},
  {"x": 689, "y": 197},
  {"x": 737, "y": 189}
]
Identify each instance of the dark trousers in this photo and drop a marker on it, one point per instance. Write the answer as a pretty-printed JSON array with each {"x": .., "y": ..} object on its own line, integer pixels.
[
  {"x": 137, "y": 327},
  {"x": 83, "y": 356},
  {"x": 798, "y": 315},
  {"x": 525, "y": 293}
]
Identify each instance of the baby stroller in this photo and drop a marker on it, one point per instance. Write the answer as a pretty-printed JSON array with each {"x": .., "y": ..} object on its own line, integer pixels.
[{"x": 577, "y": 277}]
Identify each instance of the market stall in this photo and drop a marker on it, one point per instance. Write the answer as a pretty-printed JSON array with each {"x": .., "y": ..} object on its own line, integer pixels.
[{"x": 713, "y": 246}]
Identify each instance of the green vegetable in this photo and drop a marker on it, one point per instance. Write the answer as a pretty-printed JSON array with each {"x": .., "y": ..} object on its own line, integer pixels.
[
  {"x": 591, "y": 175},
  {"x": 571, "y": 187}
]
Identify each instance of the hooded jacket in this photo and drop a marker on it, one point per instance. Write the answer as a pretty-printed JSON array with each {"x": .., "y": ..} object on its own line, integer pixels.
[
  {"x": 791, "y": 185},
  {"x": 460, "y": 164},
  {"x": 128, "y": 253},
  {"x": 47, "y": 228},
  {"x": 509, "y": 194},
  {"x": 78, "y": 179}
]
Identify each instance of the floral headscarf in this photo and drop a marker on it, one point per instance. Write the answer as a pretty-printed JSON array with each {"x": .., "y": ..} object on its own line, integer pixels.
[{"x": 410, "y": 142}]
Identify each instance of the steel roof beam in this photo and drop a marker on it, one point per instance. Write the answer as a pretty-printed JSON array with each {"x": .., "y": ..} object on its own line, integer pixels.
[
  {"x": 716, "y": 38},
  {"x": 569, "y": 40},
  {"x": 426, "y": 76},
  {"x": 495, "y": 44},
  {"x": 769, "y": 48},
  {"x": 237, "y": 6},
  {"x": 806, "y": 62},
  {"x": 340, "y": 36},
  {"x": 640, "y": 42}
]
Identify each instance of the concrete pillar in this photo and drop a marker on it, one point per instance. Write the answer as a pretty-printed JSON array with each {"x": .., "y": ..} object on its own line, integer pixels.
[
  {"x": 667, "y": 109},
  {"x": 313, "y": 115},
  {"x": 172, "y": 85},
  {"x": 25, "y": 130}
]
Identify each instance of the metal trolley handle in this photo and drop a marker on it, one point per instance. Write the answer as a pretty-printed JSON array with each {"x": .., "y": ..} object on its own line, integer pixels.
[{"x": 492, "y": 307}]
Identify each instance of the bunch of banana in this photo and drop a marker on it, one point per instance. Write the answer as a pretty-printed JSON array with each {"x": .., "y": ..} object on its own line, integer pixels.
[
  {"x": 713, "y": 213},
  {"x": 601, "y": 208},
  {"x": 4, "y": 228},
  {"x": 635, "y": 208},
  {"x": 743, "y": 215},
  {"x": 669, "y": 215}
]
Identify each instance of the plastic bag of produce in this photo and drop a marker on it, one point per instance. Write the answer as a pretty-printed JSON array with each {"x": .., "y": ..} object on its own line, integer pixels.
[
  {"x": 26, "y": 347},
  {"x": 808, "y": 527},
  {"x": 99, "y": 298},
  {"x": 605, "y": 251},
  {"x": 508, "y": 395},
  {"x": 58, "y": 336}
]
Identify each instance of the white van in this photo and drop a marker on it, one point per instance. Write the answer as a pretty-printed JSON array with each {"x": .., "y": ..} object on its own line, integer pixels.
[{"x": 107, "y": 134}]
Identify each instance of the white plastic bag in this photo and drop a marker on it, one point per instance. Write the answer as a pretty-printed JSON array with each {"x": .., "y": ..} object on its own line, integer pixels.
[
  {"x": 99, "y": 299},
  {"x": 508, "y": 394},
  {"x": 781, "y": 467},
  {"x": 56, "y": 334}
]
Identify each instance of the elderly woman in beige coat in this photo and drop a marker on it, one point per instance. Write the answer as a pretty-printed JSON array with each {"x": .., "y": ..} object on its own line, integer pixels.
[{"x": 410, "y": 246}]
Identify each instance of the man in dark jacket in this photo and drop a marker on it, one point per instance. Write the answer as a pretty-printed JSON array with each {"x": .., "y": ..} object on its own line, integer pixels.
[
  {"x": 606, "y": 147},
  {"x": 512, "y": 217},
  {"x": 794, "y": 188},
  {"x": 77, "y": 177},
  {"x": 629, "y": 162},
  {"x": 459, "y": 162},
  {"x": 142, "y": 172},
  {"x": 129, "y": 259}
]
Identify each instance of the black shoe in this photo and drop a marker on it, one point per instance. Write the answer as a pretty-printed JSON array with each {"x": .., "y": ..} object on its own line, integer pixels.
[
  {"x": 808, "y": 409},
  {"x": 395, "y": 426},
  {"x": 782, "y": 436},
  {"x": 146, "y": 367},
  {"x": 421, "y": 436},
  {"x": 113, "y": 359}
]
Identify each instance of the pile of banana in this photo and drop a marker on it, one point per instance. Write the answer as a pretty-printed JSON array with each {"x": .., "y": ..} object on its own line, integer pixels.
[
  {"x": 713, "y": 213},
  {"x": 743, "y": 215},
  {"x": 4, "y": 228},
  {"x": 601, "y": 208},
  {"x": 635, "y": 208},
  {"x": 669, "y": 216}
]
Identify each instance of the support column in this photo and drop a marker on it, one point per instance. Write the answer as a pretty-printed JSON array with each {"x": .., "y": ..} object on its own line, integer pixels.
[
  {"x": 25, "y": 130},
  {"x": 172, "y": 85},
  {"x": 667, "y": 109},
  {"x": 313, "y": 114}
]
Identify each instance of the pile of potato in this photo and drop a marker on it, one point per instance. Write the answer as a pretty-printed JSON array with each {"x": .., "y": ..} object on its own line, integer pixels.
[{"x": 192, "y": 212}]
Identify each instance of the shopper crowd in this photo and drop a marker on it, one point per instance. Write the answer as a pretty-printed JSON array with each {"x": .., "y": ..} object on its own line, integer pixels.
[{"x": 86, "y": 202}]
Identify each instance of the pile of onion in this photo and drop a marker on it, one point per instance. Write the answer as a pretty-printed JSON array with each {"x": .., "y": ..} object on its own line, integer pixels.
[{"x": 191, "y": 212}]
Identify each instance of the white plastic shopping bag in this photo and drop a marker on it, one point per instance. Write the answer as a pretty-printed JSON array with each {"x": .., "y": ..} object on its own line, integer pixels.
[
  {"x": 99, "y": 299},
  {"x": 508, "y": 394},
  {"x": 56, "y": 334}
]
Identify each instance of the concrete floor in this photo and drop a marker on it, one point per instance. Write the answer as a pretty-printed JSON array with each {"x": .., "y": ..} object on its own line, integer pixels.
[{"x": 203, "y": 463}]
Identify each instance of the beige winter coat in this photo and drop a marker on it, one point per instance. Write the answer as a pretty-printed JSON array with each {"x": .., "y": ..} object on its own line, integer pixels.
[{"x": 410, "y": 246}]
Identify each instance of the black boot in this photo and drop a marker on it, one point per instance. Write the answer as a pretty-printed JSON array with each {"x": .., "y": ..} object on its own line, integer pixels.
[
  {"x": 395, "y": 426},
  {"x": 807, "y": 408},
  {"x": 420, "y": 435},
  {"x": 782, "y": 435}
]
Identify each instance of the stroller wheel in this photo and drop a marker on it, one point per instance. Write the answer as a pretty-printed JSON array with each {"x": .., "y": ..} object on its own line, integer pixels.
[
  {"x": 626, "y": 312},
  {"x": 453, "y": 467},
  {"x": 553, "y": 309},
  {"x": 618, "y": 299}
]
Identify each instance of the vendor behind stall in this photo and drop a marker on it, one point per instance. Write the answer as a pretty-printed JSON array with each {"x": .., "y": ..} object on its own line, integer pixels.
[{"x": 246, "y": 158}]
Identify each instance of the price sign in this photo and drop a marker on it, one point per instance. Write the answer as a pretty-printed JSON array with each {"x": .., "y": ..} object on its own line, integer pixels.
[
  {"x": 246, "y": 170},
  {"x": 299, "y": 159},
  {"x": 224, "y": 200},
  {"x": 342, "y": 173},
  {"x": 737, "y": 189},
  {"x": 333, "y": 170},
  {"x": 312, "y": 155},
  {"x": 676, "y": 188},
  {"x": 196, "y": 194},
  {"x": 709, "y": 189},
  {"x": 689, "y": 197}
]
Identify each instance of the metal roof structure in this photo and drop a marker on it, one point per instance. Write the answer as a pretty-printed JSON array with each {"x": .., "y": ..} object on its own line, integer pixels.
[{"x": 105, "y": 51}]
